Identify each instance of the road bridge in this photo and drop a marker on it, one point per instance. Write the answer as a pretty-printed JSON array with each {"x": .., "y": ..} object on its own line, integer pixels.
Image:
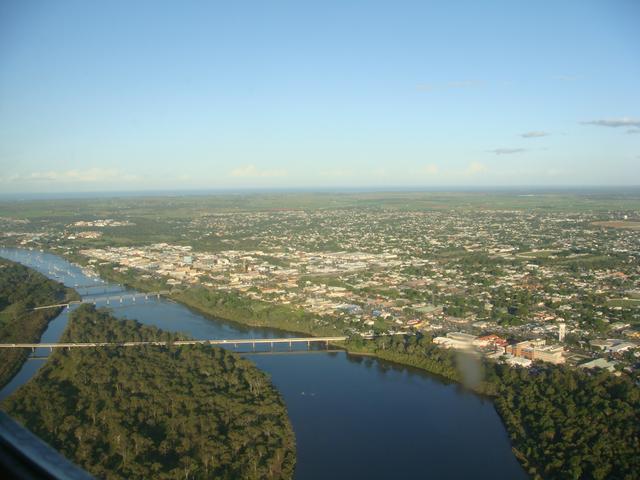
[
  {"x": 227, "y": 342},
  {"x": 91, "y": 285}
]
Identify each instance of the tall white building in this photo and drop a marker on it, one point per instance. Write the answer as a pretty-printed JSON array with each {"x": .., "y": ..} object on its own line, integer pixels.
[{"x": 562, "y": 331}]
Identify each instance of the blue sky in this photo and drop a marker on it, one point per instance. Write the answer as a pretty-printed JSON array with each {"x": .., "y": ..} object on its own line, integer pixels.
[{"x": 129, "y": 95}]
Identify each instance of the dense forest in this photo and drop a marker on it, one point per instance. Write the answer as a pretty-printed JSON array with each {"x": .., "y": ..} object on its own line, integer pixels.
[
  {"x": 156, "y": 412},
  {"x": 571, "y": 424},
  {"x": 21, "y": 289},
  {"x": 563, "y": 423}
]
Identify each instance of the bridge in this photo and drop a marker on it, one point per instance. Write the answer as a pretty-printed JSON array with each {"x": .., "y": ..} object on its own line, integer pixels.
[
  {"x": 229, "y": 342},
  {"x": 107, "y": 298},
  {"x": 100, "y": 284}
]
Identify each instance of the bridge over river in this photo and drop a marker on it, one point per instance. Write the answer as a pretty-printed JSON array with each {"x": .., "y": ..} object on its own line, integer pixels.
[
  {"x": 382, "y": 409},
  {"x": 106, "y": 298},
  {"x": 234, "y": 342}
]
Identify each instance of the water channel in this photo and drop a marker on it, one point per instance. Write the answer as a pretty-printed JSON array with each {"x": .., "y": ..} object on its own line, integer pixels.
[{"x": 354, "y": 417}]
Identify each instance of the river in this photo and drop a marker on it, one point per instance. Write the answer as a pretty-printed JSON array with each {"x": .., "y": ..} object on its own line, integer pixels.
[{"x": 353, "y": 417}]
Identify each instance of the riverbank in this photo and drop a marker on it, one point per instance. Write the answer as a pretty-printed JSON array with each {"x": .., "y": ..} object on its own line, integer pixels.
[
  {"x": 226, "y": 305},
  {"x": 560, "y": 422},
  {"x": 21, "y": 288},
  {"x": 231, "y": 307},
  {"x": 548, "y": 438},
  {"x": 342, "y": 406}
]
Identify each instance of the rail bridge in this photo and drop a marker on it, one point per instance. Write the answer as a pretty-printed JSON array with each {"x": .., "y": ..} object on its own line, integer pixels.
[{"x": 107, "y": 298}]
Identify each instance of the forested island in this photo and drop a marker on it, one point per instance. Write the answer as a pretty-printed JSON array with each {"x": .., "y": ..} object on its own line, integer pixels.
[
  {"x": 155, "y": 412},
  {"x": 21, "y": 289}
]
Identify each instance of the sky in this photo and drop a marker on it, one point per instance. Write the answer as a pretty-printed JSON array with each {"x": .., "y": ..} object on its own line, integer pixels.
[{"x": 125, "y": 96}]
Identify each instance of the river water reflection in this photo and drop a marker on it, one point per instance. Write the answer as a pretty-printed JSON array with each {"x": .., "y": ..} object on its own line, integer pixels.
[{"x": 354, "y": 417}]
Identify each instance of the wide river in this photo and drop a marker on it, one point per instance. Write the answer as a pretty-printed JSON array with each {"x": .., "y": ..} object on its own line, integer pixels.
[{"x": 354, "y": 417}]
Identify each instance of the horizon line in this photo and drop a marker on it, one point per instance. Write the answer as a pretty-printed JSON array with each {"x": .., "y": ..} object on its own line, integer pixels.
[{"x": 26, "y": 196}]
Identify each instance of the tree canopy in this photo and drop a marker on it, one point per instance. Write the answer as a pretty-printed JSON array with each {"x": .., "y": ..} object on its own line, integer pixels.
[
  {"x": 156, "y": 411},
  {"x": 21, "y": 289}
]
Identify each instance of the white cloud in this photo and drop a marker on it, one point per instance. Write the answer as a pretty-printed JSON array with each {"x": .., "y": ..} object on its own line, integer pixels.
[
  {"x": 337, "y": 173},
  {"x": 475, "y": 168},
  {"x": 431, "y": 169},
  {"x": 91, "y": 175},
  {"x": 633, "y": 131},
  {"x": 614, "y": 122},
  {"x": 554, "y": 172},
  {"x": 252, "y": 171},
  {"x": 507, "y": 151},
  {"x": 534, "y": 134}
]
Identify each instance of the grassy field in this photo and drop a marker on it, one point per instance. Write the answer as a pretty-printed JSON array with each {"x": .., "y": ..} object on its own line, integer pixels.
[
  {"x": 623, "y": 302},
  {"x": 618, "y": 224},
  {"x": 537, "y": 254}
]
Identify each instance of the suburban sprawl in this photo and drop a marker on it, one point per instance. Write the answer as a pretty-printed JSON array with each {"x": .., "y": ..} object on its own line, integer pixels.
[{"x": 507, "y": 278}]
